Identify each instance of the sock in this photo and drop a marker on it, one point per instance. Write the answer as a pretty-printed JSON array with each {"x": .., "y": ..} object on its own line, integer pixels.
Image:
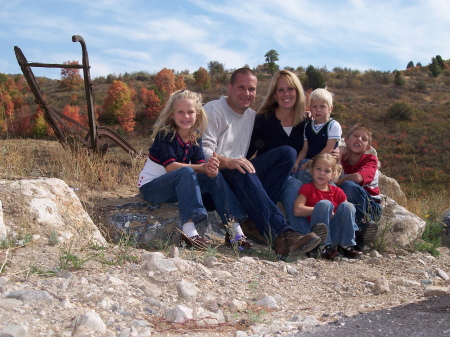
[
  {"x": 237, "y": 229},
  {"x": 189, "y": 229}
]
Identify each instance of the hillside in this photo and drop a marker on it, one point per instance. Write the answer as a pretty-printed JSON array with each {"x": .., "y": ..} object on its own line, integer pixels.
[{"x": 409, "y": 120}]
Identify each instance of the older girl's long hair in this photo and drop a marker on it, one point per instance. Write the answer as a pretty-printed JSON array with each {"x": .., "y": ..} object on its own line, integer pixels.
[
  {"x": 166, "y": 124},
  {"x": 270, "y": 104}
]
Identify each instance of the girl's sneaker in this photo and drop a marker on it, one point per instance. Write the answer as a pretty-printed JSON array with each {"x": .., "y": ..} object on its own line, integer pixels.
[{"x": 329, "y": 253}]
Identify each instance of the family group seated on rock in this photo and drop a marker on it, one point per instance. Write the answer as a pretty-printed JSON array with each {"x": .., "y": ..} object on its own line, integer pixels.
[{"x": 248, "y": 161}]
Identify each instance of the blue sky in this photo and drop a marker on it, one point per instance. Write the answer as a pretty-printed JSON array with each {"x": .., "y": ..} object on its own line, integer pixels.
[{"x": 148, "y": 35}]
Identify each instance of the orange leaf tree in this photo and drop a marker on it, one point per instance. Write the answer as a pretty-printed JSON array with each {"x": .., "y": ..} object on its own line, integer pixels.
[
  {"x": 202, "y": 79},
  {"x": 118, "y": 107},
  {"x": 70, "y": 77},
  {"x": 165, "y": 81}
]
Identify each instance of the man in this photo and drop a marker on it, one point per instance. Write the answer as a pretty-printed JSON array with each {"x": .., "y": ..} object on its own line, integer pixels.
[{"x": 257, "y": 183}]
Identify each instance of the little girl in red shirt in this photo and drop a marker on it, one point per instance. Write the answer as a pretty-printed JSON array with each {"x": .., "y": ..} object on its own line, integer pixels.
[{"x": 324, "y": 203}]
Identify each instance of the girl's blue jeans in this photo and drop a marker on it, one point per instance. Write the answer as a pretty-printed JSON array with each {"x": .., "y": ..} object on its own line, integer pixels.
[
  {"x": 186, "y": 187},
  {"x": 341, "y": 225}
]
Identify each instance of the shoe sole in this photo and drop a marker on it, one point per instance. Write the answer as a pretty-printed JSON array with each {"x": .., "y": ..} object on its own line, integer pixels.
[
  {"x": 321, "y": 232},
  {"x": 310, "y": 245},
  {"x": 371, "y": 234}
]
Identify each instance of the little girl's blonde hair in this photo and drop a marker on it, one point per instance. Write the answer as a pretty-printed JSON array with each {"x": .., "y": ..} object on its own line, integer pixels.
[
  {"x": 166, "y": 124},
  {"x": 336, "y": 168}
]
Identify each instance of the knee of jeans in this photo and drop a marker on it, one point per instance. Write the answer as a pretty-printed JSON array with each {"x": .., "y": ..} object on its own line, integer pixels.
[
  {"x": 348, "y": 185},
  {"x": 186, "y": 170},
  {"x": 288, "y": 151},
  {"x": 347, "y": 206},
  {"x": 324, "y": 204}
]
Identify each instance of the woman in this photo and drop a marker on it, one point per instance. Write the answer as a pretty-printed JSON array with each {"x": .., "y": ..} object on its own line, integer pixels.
[{"x": 281, "y": 121}]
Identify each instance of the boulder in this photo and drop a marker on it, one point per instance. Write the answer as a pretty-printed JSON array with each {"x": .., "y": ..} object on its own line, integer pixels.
[
  {"x": 44, "y": 206},
  {"x": 398, "y": 226}
]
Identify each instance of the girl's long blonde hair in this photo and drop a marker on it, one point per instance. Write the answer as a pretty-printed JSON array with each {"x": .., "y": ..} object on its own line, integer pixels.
[
  {"x": 270, "y": 104},
  {"x": 166, "y": 124}
]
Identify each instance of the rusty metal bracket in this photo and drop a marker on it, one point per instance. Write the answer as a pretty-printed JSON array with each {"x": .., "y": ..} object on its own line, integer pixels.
[{"x": 86, "y": 135}]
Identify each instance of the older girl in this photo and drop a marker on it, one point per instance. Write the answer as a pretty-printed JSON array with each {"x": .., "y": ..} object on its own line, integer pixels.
[{"x": 176, "y": 170}]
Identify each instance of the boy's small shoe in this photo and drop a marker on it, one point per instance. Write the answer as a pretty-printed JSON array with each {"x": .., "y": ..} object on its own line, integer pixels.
[
  {"x": 321, "y": 230},
  {"x": 329, "y": 253},
  {"x": 350, "y": 252}
]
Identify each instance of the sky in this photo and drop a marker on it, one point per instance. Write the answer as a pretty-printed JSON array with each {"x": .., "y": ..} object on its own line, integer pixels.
[{"x": 127, "y": 36}]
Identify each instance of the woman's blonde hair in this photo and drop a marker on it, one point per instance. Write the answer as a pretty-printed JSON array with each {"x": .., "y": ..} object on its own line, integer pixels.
[
  {"x": 335, "y": 167},
  {"x": 166, "y": 124},
  {"x": 270, "y": 104}
]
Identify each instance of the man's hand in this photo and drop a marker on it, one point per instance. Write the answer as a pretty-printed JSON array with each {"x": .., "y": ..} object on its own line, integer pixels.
[{"x": 241, "y": 164}]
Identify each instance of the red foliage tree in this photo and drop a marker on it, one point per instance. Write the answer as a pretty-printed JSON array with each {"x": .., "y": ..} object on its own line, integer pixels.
[
  {"x": 72, "y": 112},
  {"x": 152, "y": 103},
  {"x": 118, "y": 108},
  {"x": 126, "y": 117},
  {"x": 70, "y": 77},
  {"x": 165, "y": 81},
  {"x": 179, "y": 82}
]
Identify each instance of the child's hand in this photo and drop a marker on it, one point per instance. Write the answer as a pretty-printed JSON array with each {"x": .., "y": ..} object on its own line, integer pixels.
[
  {"x": 212, "y": 166},
  {"x": 303, "y": 167},
  {"x": 295, "y": 168}
]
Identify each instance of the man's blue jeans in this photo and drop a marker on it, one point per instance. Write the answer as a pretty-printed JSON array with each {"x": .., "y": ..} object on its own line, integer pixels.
[
  {"x": 185, "y": 187},
  {"x": 258, "y": 193},
  {"x": 366, "y": 207},
  {"x": 341, "y": 225}
]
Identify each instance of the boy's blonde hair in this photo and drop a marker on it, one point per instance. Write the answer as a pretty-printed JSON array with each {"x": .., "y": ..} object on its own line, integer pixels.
[
  {"x": 365, "y": 127},
  {"x": 336, "y": 168},
  {"x": 166, "y": 124},
  {"x": 321, "y": 94},
  {"x": 270, "y": 104}
]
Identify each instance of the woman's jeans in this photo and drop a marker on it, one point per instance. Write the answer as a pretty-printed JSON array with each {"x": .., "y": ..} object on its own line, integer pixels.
[
  {"x": 341, "y": 225},
  {"x": 184, "y": 186}
]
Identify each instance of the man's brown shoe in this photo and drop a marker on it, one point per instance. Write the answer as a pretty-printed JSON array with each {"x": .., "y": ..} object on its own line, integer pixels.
[
  {"x": 293, "y": 242},
  {"x": 250, "y": 231}
]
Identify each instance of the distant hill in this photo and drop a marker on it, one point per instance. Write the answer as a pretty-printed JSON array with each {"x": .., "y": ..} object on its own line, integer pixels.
[{"x": 409, "y": 113}]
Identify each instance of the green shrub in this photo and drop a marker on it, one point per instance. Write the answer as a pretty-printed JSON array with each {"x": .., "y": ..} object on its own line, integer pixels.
[{"x": 400, "y": 111}]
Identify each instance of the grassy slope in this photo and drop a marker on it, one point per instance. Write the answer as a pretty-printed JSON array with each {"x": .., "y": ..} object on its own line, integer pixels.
[{"x": 412, "y": 152}]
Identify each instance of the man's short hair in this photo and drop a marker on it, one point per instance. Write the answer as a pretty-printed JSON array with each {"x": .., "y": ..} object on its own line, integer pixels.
[{"x": 243, "y": 71}]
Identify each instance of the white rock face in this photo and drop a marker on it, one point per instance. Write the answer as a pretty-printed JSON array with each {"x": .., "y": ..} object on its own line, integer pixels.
[
  {"x": 399, "y": 226},
  {"x": 42, "y": 206}
]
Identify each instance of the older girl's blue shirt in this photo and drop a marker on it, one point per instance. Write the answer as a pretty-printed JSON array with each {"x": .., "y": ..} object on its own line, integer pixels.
[{"x": 167, "y": 149}]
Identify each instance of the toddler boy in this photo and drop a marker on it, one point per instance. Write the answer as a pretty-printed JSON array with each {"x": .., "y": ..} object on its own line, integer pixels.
[{"x": 321, "y": 135}]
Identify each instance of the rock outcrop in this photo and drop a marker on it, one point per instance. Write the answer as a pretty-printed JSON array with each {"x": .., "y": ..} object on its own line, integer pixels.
[{"x": 45, "y": 207}]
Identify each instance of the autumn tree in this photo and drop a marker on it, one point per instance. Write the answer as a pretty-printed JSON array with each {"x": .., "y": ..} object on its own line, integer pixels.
[
  {"x": 179, "y": 82},
  {"x": 70, "y": 77},
  {"x": 202, "y": 79},
  {"x": 118, "y": 107},
  {"x": 271, "y": 57},
  {"x": 151, "y": 102},
  {"x": 165, "y": 81}
]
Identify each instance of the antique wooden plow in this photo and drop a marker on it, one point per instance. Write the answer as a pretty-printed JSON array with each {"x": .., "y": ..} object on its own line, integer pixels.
[{"x": 86, "y": 135}]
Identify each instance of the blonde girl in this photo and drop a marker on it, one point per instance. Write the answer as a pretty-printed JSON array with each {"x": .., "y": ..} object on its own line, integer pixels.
[
  {"x": 176, "y": 170},
  {"x": 325, "y": 203}
]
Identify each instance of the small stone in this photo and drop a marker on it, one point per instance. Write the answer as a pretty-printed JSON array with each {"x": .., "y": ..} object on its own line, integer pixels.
[
  {"x": 381, "y": 286},
  {"x": 268, "y": 302},
  {"x": 436, "y": 291},
  {"x": 442, "y": 274},
  {"x": 374, "y": 260}
]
